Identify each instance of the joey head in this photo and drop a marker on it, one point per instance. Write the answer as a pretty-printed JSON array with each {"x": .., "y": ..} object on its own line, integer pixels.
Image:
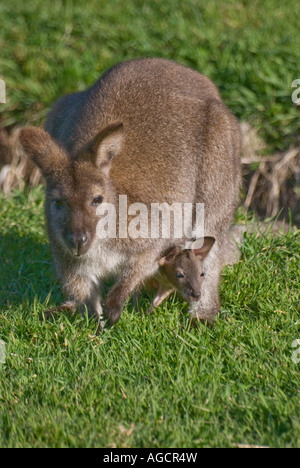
[{"x": 182, "y": 271}]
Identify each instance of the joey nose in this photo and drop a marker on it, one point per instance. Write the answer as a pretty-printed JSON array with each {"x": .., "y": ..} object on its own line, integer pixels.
[{"x": 195, "y": 295}]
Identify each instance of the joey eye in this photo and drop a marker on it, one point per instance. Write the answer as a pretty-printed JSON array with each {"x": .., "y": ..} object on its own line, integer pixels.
[
  {"x": 202, "y": 274},
  {"x": 179, "y": 275},
  {"x": 97, "y": 201}
]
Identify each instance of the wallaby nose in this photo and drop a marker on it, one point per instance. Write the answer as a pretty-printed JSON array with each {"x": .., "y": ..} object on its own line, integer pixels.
[{"x": 77, "y": 242}]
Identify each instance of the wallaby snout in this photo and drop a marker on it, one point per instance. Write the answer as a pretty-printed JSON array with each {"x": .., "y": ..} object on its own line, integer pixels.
[
  {"x": 75, "y": 187},
  {"x": 194, "y": 283},
  {"x": 72, "y": 220},
  {"x": 78, "y": 242}
]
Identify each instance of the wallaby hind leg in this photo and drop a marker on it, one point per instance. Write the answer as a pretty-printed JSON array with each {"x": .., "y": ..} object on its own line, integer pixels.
[
  {"x": 69, "y": 307},
  {"x": 231, "y": 247}
]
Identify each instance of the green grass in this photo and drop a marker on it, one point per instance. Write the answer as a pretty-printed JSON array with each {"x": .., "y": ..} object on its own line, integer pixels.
[
  {"x": 149, "y": 381},
  {"x": 251, "y": 49}
]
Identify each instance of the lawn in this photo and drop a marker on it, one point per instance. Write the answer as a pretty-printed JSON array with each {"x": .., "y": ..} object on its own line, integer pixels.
[
  {"x": 250, "y": 48},
  {"x": 150, "y": 381}
]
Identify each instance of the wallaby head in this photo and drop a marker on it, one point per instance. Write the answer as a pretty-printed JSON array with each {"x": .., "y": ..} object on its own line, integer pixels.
[
  {"x": 75, "y": 186},
  {"x": 184, "y": 269}
]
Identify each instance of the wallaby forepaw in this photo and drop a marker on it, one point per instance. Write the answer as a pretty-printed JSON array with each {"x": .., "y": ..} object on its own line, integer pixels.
[
  {"x": 112, "y": 310},
  {"x": 102, "y": 326}
]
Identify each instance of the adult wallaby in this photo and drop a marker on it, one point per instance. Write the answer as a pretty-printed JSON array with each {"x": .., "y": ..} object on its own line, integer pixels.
[
  {"x": 152, "y": 130},
  {"x": 182, "y": 271}
]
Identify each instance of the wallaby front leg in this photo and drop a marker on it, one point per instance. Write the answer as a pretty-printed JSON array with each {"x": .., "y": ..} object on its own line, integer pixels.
[
  {"x": 208, "y": 306},
  {"x": 134, "y": 273}
]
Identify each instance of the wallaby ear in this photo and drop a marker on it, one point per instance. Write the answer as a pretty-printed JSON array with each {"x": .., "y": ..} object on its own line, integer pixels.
[
  {"x": 203, "y": 251},
  {"x": 170, "y": 257},
  {"x": 106, "y": 145},
  {"x": 42, "y": 149}
]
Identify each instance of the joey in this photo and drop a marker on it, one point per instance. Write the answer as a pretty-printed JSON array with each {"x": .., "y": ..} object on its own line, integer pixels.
[{"x": 182, "y": 271}]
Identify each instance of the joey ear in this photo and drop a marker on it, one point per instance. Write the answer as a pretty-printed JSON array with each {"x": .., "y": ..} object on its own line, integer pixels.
[
  {"x": 170, "y": 257},
  {"x": 106, "y": 145},
  {"x": 42, "y": 150},
  {"x": 203, "y": 251}
]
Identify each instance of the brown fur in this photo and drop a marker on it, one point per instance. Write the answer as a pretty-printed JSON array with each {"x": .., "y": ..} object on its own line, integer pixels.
[{"x": 157, "y": 132}]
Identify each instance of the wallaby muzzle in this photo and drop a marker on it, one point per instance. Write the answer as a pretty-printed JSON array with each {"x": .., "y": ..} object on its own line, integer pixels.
[{"x": 78, "y": 243}]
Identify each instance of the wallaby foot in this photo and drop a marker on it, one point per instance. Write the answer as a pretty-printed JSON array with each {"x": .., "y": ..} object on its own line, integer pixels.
[
  {"x": 231, "y": 253},
  {"x": 135, "y": 300},
  {"x": 231, "y": 247},
  {"x": 71, "y": 308},
  {"x": 113, "y": 305},
  {"x": 56, "y": 311}
]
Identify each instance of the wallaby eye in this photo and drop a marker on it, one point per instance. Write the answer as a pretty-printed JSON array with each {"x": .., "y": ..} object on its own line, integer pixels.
[
  {"x": 202, "y": 274},
  {"x": 58, "y": 203},
  {"x": 179, "y": 275},
  {"x": 97, "y": 201}
]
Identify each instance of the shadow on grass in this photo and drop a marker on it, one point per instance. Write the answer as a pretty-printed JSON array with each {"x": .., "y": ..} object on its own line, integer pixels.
[
  {"x": 27, "y": 276},
  {"x": 26, "y": 271}
]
